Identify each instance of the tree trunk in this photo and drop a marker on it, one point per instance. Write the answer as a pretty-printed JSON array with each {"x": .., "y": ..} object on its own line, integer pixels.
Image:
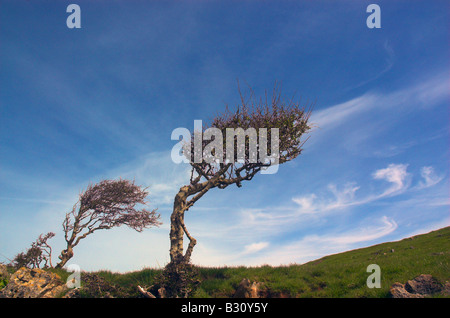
[
  {"x": 178, "y": 229},
  {"x": 65, "y": 256},
  {"x": 176, "y": 226}
]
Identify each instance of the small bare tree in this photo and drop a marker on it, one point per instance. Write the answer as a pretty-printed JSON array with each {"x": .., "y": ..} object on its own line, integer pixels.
[
  {"x": 39, "y": 254},
  {"x": 107, "y": 204},
  {"x": 46, "y": 249}
]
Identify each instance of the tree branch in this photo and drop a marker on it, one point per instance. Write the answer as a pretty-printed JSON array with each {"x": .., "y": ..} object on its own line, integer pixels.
[{"x": 145, "y": 293}]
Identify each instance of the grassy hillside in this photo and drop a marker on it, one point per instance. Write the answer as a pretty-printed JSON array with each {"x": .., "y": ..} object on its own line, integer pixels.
[{"x": 339, "y": 275}]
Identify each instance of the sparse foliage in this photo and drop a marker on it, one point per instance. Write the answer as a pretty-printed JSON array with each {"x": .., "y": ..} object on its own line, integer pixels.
[{"x": 107, "y": 204}]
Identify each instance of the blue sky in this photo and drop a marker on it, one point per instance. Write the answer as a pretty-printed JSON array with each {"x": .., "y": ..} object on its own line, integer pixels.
[{"x": 100, "y": 102}]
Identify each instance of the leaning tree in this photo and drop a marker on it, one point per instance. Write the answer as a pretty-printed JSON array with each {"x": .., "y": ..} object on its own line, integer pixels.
[
  {"x": 107, "y": 204},
  {"x": 223, "y": 154}
]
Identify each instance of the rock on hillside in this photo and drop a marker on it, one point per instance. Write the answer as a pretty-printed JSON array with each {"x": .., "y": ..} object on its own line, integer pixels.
[
  {"x": 33, "y": 283},
  {"x": 419, "y": 287}
]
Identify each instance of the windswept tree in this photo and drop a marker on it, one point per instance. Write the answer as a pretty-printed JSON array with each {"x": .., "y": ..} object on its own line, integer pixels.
[
  {"x": 107, "y": 204},
  {"x": 218, "y": 160}
]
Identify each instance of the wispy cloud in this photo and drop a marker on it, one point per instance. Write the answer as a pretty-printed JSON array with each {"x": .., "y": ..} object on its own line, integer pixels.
[
  {"x": 342, "y": 198},
  {"x": 335, "y": 115},
  {"x": 395, "y": 174},
  {"x": 255, "y": 247},
  {"x": 364, "y": 234},
  {"x": 429, "y": 178},
  {"x": 315, "y": 246},
  {"x": 275, "y": 219},
  {"x": 374, "y": 105}
]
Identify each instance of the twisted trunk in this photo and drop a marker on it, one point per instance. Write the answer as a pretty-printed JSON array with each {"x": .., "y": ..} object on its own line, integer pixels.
[
  {"x": 65, "y": 256},
  {"x": 178, "y": 228},
  {"x": 182, "y": 203}
]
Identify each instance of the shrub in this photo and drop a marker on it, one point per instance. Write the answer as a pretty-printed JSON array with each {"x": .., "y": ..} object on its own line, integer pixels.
[{"x": 178, "y": 280}]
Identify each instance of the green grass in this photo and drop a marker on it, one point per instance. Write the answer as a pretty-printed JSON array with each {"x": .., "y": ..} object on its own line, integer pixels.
[
  {"x": 339, "y": 275},
  {"x": 143, "y": 277}
]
